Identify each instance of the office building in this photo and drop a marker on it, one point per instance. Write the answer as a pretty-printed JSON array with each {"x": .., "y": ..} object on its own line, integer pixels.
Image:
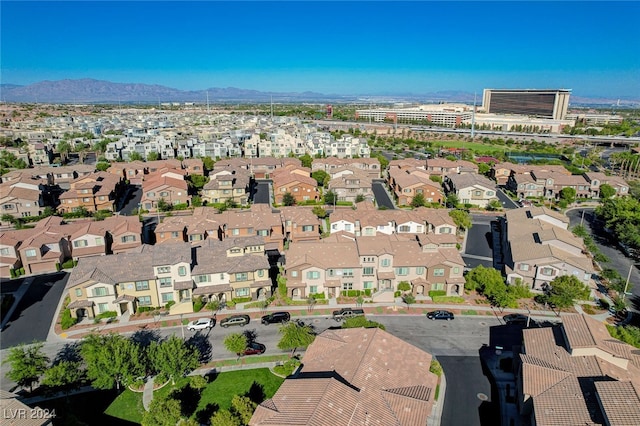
[{"x": 548, "y": 103}]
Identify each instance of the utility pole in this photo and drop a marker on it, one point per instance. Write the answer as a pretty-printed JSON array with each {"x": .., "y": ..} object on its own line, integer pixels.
[
  {"x": 473, "y": 117},
  {"x": 582, "y": 219}
]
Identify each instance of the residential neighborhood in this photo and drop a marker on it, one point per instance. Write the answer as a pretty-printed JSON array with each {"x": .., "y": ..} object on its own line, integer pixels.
[{"x": 174, "y": 225}]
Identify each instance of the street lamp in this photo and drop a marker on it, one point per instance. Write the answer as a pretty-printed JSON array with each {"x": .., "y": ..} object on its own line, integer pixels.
[{"x": 182, "y": 326}]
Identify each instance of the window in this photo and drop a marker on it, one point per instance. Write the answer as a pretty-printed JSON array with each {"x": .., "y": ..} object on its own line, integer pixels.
[
  {"x": 85, "y": 200},
  {"x": 313, "y": 289},
  {"x": 420, "y": 270},
  {"x": 99, "y": 241},
  {"x": 167, "y": 297},
  {"x": 144, "y": 300},
  {"x": 242, "y": 276},
  {"x": 242, "y": 292},
  {"x": 142, "y": 285},
  {"x": 368, "y": 231},
  {"x": 235, "y": 231},
  {"x": 261, "y": 272},
  {"x": 78, "y": 292},
  {"x": 182, "y": 271},
  {"x": 80, "y": 243},
  {"x": 164, "y": 194},
  {"x": 438, "y": 286},
  {"x": 128, "y": 238},
  {"x": 99, "y": 291},
  {"x": 103, "y": 307},
  {"x": 294, "y": 274},
  {"x": 524, "y": 266},
  {"x": 347, "y": 227},
  {"x": 385, "y": 262},
  {"x": 175, "y": 234},
  {"x": 404, "y": 228},
  {"x": 30, "y": 253},
  {"x": 4, "y": 251},
  {"x": 547, "y": 271},
  {"x": 151, "y": 194},
  {"x": 164, "y": 269},
  {"x": 367, "y": 271},
  {"x": 263, "y": 232},
  {"x": 402, "y": 271},
  {"x": 347, "y": 286},
  {"x": 307, "y": 228},
  {"x": 477, "y": 193},
  {"x": 438, "y": 272},
  {"x": 101, "y": 198},
  {"x": 165, "y": 282},
  {"x": 196, "y": 237},
  {"x": 347, "y": 272},
  {"x": 368, "y": 284},
  {"x": 490, "y": 193},
  {"x": 456, "y": 269},
  {"x": 313, "y": 275}
]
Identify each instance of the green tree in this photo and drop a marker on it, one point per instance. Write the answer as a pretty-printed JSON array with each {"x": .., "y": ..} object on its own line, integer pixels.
[
  {"x": 565, "y": 290},
  {"x": 163, "y": 206},
  {"x": 198, "y": 181},
  {"x": 404, "y": 286},
  {"x": 568, "y": 194},
  {"x": 135, "y": 156},
  {"x": 198, "y": 382},
  {"x": 319, "y": 211},
  {"x": 580, "y": 231},
  {"x": 27, "y": 364},
  {"x": 452, "y": 200},
  {"x": 196, "y": 201},
  {"x": 480, "y": 276},
  {"x": 236, "y": 343},
  {"x": 112, "y": 360},
  {"x": 64, "y": 148},
  {"x": 243, "y": 408},
  {"x": 607, "y": 191},
  {"x": 360, "y": 198},
  {"x": 321, "y": 177},
  {"x": 329, "y": 197},
  {"x": 484, "y": 169},
  {"x": 306, "y": 160},
  {"x": 409, "y": 299},
  {"x": 418, "y": 200},
  {"x": 65, "y": 376},
  {"x": 173, "y": 357},
  {"x": 288, "y": 199},
  {"x": 208, "y": 163},
  {"x": 295, "y": 336},
  {"x": 461, "y": 218},
  {"x": 494, "y": 205},
  {"x": 163, "y": 411},
  {"x": 153, "y": 156},
  {"x": 102, "y": 166},
  {"x": 225, "y": 418}
]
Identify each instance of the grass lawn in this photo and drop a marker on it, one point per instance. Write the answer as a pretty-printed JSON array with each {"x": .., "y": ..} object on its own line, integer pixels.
[
  {"x": 89, "y": 409},
  {"x": 259, "y": 384},
  {"x": 481, "y": 148}
]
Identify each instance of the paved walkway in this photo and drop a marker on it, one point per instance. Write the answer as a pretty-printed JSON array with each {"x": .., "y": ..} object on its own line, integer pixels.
[{"x": 147, "y": 394}]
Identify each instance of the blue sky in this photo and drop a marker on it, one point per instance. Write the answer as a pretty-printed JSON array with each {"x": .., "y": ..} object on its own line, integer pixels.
[{"x": 329, "y": 47}]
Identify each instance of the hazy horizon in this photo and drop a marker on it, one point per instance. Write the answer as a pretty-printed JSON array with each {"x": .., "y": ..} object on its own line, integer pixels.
[{"x": 334, "y": 48}]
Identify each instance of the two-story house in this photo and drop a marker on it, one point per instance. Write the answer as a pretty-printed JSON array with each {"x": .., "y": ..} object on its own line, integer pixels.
[{"x": 471, "y": 189}]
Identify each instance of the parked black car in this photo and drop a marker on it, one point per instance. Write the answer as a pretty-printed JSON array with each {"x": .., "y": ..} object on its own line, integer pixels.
[
  {"x": 346, "y": 313},
  {"x": 240, "y": 320},
  {"x": 276, "y": 317},
  {"x": 440, "y": 315}
]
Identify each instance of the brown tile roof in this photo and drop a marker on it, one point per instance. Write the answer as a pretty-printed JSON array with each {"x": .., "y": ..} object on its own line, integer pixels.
[
  {"x": 620, "y": 402},
  {"x": 355, "y": 376}
]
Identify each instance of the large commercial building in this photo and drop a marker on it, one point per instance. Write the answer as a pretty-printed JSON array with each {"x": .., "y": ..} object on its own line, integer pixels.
[
  {"x": 548, "y": 103},
  {"x": 449, "y": 115}
]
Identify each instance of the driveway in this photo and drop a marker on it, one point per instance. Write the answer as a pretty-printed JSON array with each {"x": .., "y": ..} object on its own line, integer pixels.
[
  {"x": 507, "y": 203},
  {"x": 382, "y": 197},
  {"x": 262, "y": 194},
  {"x": 33, "y": 317},
  {"x": 479, "y": 241},
  {"x": 131, "y": 200}
]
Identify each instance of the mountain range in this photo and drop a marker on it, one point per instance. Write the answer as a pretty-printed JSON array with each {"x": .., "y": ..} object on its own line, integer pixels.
[{"x": 100, "y": 91}]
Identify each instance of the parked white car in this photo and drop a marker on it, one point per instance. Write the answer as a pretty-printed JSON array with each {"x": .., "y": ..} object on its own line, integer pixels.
[{"x": 201, "y": 324}]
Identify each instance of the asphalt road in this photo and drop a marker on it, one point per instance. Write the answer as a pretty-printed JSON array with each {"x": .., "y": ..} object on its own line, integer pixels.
[
  {"x": 479, "y": 241},
  {"x": 382, "y": 198},
  {"x": 32, "y": 318},
  {"x": 617, "y": 259}
]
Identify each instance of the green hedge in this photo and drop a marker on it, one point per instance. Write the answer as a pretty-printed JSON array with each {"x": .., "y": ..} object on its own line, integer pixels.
[
  {"x": 237, "y": 300},
  {"x": 198, "y": 304},
  {"x": 107, "y": 314},
  {"x": 318, "y": 296},
  {"x": 448, "y": 299},
  {"x": 68, "y": 264},
  {"x": 436, "y": 293}
]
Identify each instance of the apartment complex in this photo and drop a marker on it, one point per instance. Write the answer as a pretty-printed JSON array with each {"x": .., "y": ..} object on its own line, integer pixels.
[
  {"x": 448, "y": 115},
  {"x": 153, "y": 276}
]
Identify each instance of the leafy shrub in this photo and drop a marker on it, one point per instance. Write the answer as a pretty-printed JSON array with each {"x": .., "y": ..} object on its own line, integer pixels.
[
  {"x": 588, "y": 309},
  {"x": 367, "y": 292},
  {"x": 436, "y": 293},
  {"x": 198, "y": 304},
  {"x": 435, "y": 368},
  {"x": 519, "y": 291},
  {"x": 67, "y": 321},
  {"x": 288, "y": 367},
  {"x": 107, "y": 314},
  {"x": 241, "y": 300},
  {"x": 181, "y": 206},
  {"x": 169, "y": 304},
  {"x": 142, "y": 309},
  {"x": 351, "y": 293},
  {"x": 604, "y": 303},
  {"x": 318, "y": 296},
  {"x": 397, "y": 293},
  {"x": 357, "y": 322},
  {"x": 627, "y": 333},
  {"x": 69, "y": 264}
]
